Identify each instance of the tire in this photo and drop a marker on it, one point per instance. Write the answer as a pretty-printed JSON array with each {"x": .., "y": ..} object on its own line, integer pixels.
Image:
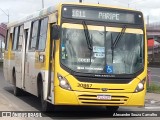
[
  {"x": 45, "y": 106},
  {"x": 112, "y": 108},
  {"x": 16, "y": 91}
]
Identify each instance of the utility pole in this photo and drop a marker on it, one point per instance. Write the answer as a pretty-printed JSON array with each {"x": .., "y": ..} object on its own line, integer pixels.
[
  {"x": 147, "y": 19},
  {"x": 80, "y": 1},
  {"x": 42, "y": 3},
  {"x": 7, "y": 14}
]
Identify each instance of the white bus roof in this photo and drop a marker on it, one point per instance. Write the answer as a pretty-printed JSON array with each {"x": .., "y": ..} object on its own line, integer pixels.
[{"x": 35, "y": 15}]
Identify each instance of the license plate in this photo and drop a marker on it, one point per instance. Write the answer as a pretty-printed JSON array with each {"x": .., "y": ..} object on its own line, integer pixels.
[{"x": 104, "y": 97}]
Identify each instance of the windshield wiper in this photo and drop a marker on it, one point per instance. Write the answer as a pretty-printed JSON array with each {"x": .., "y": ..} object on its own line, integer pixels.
[
  {"x": 87, "y": 35},
  {"x": 112, "y": 46},
  {"x": 119, "y": 36}
]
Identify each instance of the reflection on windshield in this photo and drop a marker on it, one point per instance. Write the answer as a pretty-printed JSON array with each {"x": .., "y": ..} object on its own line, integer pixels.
[
  {"x": 128, "y": 53},
  {"x": 127, "y": 57}
]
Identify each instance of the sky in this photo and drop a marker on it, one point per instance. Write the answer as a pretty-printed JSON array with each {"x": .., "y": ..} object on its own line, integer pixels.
[{"x": 18, "y": 9}]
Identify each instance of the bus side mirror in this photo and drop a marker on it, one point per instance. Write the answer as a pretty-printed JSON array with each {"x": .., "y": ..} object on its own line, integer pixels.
[{"x": 55, "y": 31}]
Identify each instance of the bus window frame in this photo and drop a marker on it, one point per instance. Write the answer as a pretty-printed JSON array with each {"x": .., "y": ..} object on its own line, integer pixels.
[
  {"x": 39, "y": 31},
  {"x": 16, "y": 49},
  {"x": 31, "y": 32},
  {"x": 19, "y": 36},
  {"x": 7, "y": 40}
]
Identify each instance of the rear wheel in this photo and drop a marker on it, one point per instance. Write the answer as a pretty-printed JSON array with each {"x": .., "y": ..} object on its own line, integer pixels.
[
  {"x": 46, "y": 106},
  {"x": 112, "y": 108},
  {"x": 17, "y": 91}
]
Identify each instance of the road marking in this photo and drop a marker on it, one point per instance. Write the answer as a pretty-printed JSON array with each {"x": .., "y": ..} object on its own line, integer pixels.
[
  {"x": 152, "y": 107},
  {"x": 155, "y": 75}
]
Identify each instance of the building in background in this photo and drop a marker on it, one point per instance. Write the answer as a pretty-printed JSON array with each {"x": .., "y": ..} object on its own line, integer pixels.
[
  {"x": 3, "y": 30},
  {"x": 153, "y": 35}
]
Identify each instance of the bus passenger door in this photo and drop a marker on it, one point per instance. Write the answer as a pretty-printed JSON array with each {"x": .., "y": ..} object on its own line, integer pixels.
[
  {"x": 51, "y": 70},
  {"x": 17, "y": 51},
  {"x": 6, "y": 61},
  {"x": 24, "y": 56},
  {"x": 31, "y": 31}
]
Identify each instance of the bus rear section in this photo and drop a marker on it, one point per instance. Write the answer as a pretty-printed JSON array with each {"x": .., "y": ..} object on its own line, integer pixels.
[{"x": 101, "y": 55}]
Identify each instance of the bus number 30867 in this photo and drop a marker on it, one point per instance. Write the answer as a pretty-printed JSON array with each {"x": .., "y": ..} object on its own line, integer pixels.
[{"x": 84, "y": 85}]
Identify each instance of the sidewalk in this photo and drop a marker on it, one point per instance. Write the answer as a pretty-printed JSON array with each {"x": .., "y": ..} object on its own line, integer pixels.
[
  {"x": 8, "y": 105},
  {"x": 5, "y": 104},
  {"x": 152, "y": 99},
  {"x": 153, "y": 96}
]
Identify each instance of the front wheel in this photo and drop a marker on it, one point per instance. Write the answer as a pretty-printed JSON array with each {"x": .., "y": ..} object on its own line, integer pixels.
[
  {"x": 45, "y": 106},
  {"x": 16, "y": 91},
  {"x": 112, "y": 108}
]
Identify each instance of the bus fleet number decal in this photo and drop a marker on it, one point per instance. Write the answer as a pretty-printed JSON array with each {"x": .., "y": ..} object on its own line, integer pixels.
[{"x": 84, "y": 85}]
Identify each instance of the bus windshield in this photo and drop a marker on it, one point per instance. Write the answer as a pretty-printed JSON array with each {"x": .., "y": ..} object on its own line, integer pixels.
[{"x": 126, "y": 57}]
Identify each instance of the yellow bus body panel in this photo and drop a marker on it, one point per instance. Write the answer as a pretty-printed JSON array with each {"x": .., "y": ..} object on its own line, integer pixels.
[{"x": 66, "y": 97}]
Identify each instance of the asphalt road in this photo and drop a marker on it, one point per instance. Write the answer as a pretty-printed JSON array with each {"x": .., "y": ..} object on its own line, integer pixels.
[{"x": 31, "y": 103}]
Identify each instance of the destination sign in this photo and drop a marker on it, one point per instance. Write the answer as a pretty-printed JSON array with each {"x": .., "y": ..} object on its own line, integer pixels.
[{"x": 106, "y": 15}]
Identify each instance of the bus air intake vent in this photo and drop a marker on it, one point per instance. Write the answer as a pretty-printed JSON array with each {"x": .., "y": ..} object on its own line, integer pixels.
[{"x": 92, "y": 99}]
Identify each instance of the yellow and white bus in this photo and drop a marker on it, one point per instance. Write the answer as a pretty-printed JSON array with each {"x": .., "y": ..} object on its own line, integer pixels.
[{"x": 79, "y": 54}]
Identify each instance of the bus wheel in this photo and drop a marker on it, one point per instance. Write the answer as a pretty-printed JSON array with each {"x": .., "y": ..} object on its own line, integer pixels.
[
  {"x": 112, "y": 108},
  {"x": 45, "y": 106},
  {"x": 17, "y": 91}
]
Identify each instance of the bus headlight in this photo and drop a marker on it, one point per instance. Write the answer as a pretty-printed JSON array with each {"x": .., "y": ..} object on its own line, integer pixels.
[
  {"x": 63, "y": 83},
  {"x": 140, "y": 86}
]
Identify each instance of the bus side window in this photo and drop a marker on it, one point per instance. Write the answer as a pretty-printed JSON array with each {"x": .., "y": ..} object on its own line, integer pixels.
[
  {"x": 7, "y": 39},
  {"x": 43, "y": 34},
  {"x": 20, "y": 38},
  {"x": 34, "y": 35},
  {"x": 15, "y": 38}
]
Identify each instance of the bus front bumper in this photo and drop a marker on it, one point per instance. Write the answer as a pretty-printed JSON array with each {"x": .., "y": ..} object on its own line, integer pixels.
[{"x": 65, "y": 97}]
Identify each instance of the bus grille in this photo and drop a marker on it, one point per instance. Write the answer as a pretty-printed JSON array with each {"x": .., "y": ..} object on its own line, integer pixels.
[{"x": 92, "y": 99}]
